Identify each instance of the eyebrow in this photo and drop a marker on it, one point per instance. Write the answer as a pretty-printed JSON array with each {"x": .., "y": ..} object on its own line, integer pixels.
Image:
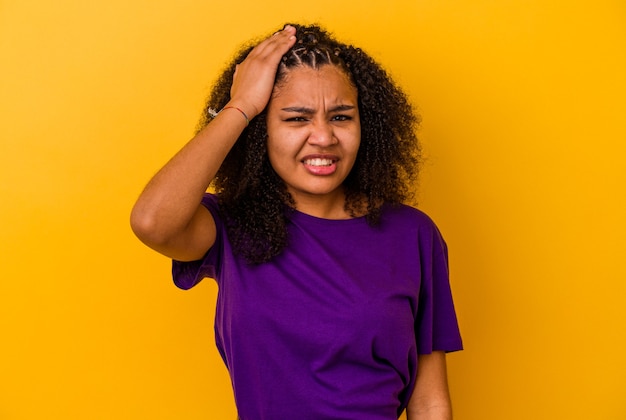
[{"x": 305, "y": 110}]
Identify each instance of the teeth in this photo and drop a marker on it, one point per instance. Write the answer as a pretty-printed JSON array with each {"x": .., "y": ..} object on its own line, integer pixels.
[{"x": 318, "y": 162}]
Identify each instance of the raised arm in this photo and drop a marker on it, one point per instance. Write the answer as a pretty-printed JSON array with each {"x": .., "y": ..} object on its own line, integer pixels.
[{"x": 168, "y": 216}]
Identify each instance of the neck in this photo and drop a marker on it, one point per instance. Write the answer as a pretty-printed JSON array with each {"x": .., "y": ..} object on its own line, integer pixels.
[{"x": 326, "y": 207}]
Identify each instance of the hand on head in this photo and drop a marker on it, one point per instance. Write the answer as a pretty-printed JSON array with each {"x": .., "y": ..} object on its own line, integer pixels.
[{"x": 254, "y": 78}]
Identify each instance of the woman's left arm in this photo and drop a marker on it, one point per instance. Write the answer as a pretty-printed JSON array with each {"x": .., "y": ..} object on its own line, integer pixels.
[{"x": 431, "y": 397}]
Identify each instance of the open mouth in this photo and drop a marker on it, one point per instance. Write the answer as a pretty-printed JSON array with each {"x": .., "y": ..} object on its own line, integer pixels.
[
  {"x": 320, "y": 165},
  {"x": 319, "y": 162}
]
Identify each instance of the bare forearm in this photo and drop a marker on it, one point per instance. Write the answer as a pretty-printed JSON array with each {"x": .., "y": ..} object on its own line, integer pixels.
[
  {"x": 171, "y": 198},
  {"x": 435, "y": 412},
  {"x": 168, "y": 215},
  {"x": 431, "y": 397}
]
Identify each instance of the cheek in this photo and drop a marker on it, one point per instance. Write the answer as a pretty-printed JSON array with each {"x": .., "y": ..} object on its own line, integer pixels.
[
  {"x": 272, "y": 153},
  {"x": 357, "y": 139},
  {"x": 279, "y": 153},
  {"x": 283, "y": 143},
  {"x": 355, "y": 143},
  {"x": 274, "y": 148}
]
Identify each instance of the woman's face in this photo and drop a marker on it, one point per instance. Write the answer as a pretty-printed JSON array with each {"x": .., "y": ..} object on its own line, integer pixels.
[{"x": 314, "y": 132}]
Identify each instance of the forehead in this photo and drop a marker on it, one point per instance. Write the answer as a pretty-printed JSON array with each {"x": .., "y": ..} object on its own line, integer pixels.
[{"x": 307, "y": 82}]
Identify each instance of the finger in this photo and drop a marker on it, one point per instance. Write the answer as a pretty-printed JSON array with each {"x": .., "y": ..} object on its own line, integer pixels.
[{"x": 279, "y": 41}]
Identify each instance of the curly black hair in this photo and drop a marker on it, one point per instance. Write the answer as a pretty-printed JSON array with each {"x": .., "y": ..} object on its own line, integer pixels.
[{"x": 254, "y": 200}]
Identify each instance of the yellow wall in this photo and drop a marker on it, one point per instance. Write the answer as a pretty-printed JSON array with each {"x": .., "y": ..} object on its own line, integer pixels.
[{"x": 523, "y": 108}]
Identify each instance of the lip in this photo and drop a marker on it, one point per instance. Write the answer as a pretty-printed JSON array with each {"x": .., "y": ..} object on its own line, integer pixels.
[
  {"x": 321, "y": 170},
  {"x": 320, "y": 156}
]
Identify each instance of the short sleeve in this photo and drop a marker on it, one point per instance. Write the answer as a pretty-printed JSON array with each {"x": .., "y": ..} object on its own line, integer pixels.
[
  {"x": 186, "y": 274},
  {"x": 436, "y": 325}
]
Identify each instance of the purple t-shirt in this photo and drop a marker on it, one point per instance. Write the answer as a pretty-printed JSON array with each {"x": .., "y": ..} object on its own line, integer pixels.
[{"x": 331, "y": 328}]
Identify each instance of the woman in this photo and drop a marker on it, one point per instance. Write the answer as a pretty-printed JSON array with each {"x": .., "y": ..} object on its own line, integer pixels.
[{"x": 334, "y": 300}]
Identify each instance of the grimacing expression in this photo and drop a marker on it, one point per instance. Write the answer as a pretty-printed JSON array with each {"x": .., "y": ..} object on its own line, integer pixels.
[{"x": 314, "y": 131}]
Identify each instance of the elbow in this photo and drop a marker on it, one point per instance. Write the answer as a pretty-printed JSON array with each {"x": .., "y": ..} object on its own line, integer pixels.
[{"x": 146, "y": 227}]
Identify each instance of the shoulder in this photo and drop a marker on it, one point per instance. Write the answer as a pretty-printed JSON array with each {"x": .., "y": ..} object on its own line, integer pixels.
[
  {"x": 210, "y": 200},
  {"x": 408, "y": 221},
  {"x": 406, "y": 215}
]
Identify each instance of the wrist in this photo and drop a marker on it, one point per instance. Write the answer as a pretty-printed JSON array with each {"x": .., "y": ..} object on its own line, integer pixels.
[
  {"x": 245, "y": 107},
  {"x": 237, "y": 109}
]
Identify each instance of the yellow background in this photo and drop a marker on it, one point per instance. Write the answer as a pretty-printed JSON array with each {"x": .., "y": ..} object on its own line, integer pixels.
[{"x": 523, "y": 106}]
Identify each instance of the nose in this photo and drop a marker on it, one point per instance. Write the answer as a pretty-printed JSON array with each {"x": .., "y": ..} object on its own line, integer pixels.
[{"x": 322, "y": 134}]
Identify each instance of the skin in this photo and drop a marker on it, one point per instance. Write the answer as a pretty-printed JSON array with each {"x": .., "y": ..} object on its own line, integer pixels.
[
  {"x": 168, "y": 216},
  {"x": 431, "y": 397},
  {"x": 311, "y": 113},
  {"x": 313, "y": 117}
]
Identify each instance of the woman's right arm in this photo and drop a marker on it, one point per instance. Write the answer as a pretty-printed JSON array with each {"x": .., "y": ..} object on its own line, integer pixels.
[{"x": 168, "y": 215}]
